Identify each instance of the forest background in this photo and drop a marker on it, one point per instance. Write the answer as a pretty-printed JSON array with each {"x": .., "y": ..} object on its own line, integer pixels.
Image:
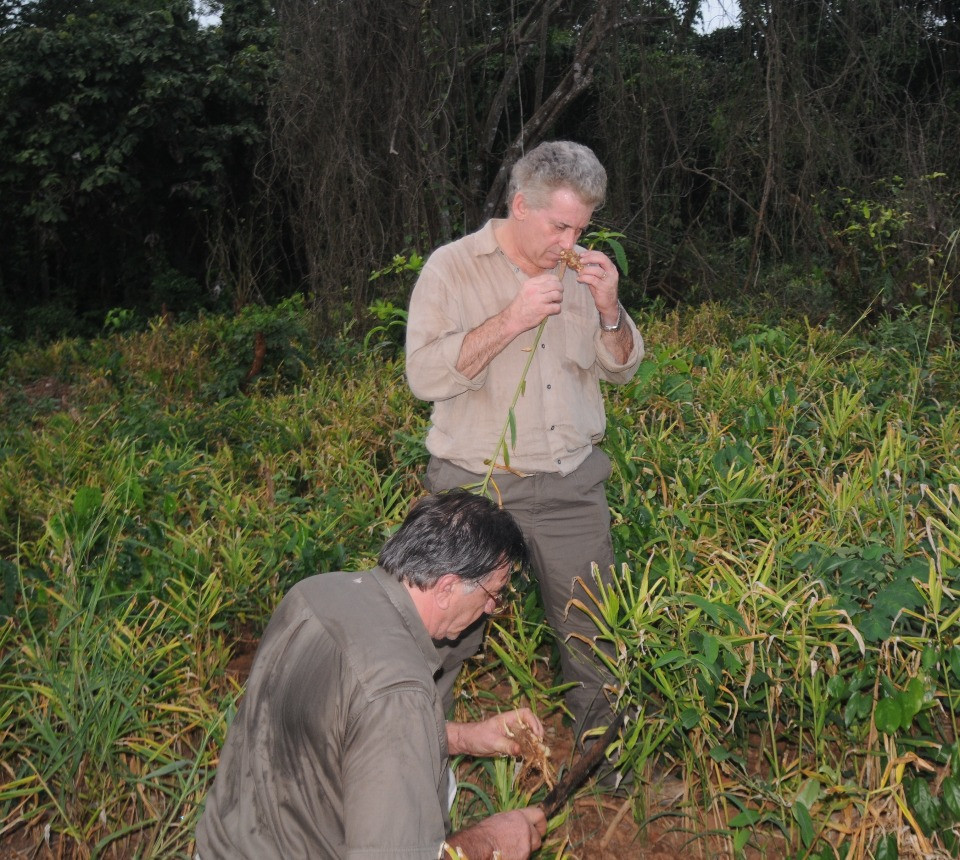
[
  {"x": 209, "y": 235},
  {"x": 806, "y": 156}
]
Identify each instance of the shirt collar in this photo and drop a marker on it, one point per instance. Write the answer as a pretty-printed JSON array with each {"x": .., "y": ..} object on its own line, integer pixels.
[
  {"x": 487, "y": 239},
  {"x": 403, "y": 603}
]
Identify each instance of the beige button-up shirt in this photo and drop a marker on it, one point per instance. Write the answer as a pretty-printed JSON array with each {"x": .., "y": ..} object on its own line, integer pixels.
[{"x": 560, "y": 415}]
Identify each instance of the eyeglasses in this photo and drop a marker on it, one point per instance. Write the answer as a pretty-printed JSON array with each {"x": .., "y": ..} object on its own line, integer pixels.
[{"x": 499, "y": 599}]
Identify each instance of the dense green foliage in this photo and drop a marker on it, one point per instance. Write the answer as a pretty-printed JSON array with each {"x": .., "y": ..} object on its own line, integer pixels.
[
  {"x": 128, "y": 140},
  {"x": 785, "y": 509}
]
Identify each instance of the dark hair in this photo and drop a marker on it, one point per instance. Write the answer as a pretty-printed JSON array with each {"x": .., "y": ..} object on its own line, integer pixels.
[
  {"x": 558, "y": 164},
  {"x": 455, "y": 532}
]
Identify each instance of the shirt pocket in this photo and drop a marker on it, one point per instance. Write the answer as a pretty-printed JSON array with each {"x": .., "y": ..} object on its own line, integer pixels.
[{"x": 579, "y": 330}]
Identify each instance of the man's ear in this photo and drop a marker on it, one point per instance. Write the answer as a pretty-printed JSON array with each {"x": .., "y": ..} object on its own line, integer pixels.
[
  {"x": 443, "y": 591},
  {"x": 518, "y": 206}
]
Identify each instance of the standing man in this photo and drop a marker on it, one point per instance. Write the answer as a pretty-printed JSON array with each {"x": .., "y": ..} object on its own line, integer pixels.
[
  {"x": 473, "y": 319},
  {"x": 339, "y": 748}
]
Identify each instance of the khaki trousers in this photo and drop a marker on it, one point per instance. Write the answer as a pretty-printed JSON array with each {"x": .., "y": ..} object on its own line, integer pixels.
[{"x": 566, "y": 522}]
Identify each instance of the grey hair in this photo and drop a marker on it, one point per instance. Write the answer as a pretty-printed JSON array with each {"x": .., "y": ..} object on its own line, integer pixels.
[
  {"x": 454, "y": 532},
  {"x": 558, "y": 164}
]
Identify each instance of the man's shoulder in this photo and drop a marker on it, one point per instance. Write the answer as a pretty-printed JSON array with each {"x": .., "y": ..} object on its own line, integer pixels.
[
  {"x": 474, "y": 244},
  {"x": 359, "y": 612}
]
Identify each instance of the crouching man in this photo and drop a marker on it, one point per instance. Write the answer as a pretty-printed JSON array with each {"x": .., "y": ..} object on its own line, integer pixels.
[{"x": 339, "y": 748}]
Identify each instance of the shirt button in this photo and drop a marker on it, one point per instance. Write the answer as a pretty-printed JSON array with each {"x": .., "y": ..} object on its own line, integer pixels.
[
  {"x": 549, "y": 387},
  {"x": 553, "y": 426},
  {"x": 543, "y": 346},
  {"x": 558, "y": 462}
]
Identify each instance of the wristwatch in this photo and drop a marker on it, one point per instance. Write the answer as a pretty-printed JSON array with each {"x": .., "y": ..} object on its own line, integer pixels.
[{"x": 617, "y": 324}]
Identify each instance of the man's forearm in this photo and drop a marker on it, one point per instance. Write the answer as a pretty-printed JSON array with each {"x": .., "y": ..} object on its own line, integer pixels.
[
  {"x": 619, "y": 343},
  {"x": 484, "y": 343}
]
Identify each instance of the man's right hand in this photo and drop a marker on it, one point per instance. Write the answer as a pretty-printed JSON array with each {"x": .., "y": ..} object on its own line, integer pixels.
[
  {"x": 539, "y": 297},
  {"x": 515, "y": 834}
]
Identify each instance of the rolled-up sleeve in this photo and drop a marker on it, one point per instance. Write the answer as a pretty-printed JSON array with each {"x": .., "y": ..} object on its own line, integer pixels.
[
  {"x": 610, "y": 369},
  {"x": 435, "y": 333}
]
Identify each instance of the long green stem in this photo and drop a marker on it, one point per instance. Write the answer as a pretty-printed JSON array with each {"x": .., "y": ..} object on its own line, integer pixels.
[{"x": 511, "y": 418}]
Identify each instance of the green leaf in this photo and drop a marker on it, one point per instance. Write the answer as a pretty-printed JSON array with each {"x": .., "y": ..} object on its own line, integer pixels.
[
  {"x": 874, "y": 626},
  {"x": 950, "y": 795},
  {"x": 620, "y": 256},
  {"x": 672, "y": 657},
  {"x": 711, "y": 648},
  {"x": 747, "y": 818},
  {"x": 721, "y": 754},
  {"x": 953, "y": 657},
  {"x": 887, "y": 848},
  {"x": 512, "y": 421},
  {"x": 926, "y": 808},
  {"x": 858, "y": 707},
  {"x": 716, "y": 611},
  {"x": 911, "y": 700},
  {"x": 950, "y": 842},
  {"x": 809, "y": 793},
  {"x": 86, "y": 501},
  {"x": 901, "y": 594},
  {"x": 802, "y": 816},
  {"x": 888, "y": 717},
  {"x": 836, "y": 687}
]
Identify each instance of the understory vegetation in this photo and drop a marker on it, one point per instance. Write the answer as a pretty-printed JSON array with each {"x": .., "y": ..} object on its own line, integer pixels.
[{"x": 784, "y": 631}]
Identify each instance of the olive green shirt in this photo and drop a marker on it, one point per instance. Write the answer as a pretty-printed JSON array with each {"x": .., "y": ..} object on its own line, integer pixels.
[
  {"x": 339, "y": 746},
  {"x": 560, "y": 415}
]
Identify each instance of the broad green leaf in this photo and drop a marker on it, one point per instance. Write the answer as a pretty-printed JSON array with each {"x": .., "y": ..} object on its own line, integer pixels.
[
  {"x": 747, "y": 818},
  {"x": 716, "y": 611},
  {"x": 924, "y": 805},
  {"x": 874, "y": 626},
  {"x": 802, "y": 816},
  {"x": 887, "y": 848},
  {"x": 950, "y": 795},
  {"x": 672, "y": 657},
  {"x": 888, "y": 717},
  {"x": 809, "y": 793},
  {"x": 711, "y": 648},
  {"x": 721, "y": 753},
  {"x": 87, "y": 500},
  {"x": 911, "y": 700},
  {"x": 858, "y": 707},
  {"x": 836, "y": 686}
]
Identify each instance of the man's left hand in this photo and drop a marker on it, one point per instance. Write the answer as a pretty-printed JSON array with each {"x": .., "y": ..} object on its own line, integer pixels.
[{"x": 602, "y": 278}]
